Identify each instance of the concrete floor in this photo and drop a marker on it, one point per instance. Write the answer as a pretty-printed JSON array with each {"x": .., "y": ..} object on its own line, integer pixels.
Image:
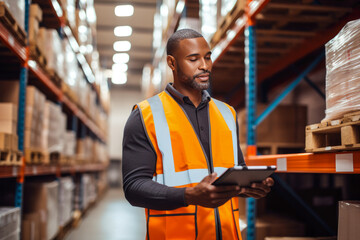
[{"x": 113, "y": 218}]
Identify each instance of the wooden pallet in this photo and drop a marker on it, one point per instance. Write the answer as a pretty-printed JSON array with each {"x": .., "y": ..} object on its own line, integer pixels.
[
  {"x": 10, "y": 158},
  {"x": 228, "y": 21},
  {"x": 52, "y": 157},
  {"x": 10, "y": 23},
  {"x": 37, "y": 55},
  {"x": 67, "y": 160},
  {"x": 54, "y": 76},
  {"x": 8, "y": 141},
  {"x": 34, "y": 156},
  {"x": 266, "y": 148},
  {"x": 334, "y": 135}
]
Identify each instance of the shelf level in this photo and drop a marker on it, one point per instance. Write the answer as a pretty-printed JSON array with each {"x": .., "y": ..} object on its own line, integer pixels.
[
  {"x": 338, "y": 162},
  {"x": 12, "y": 43},
  {"x": 44, "y": 78},
  {"x": 36, "y": 170}
]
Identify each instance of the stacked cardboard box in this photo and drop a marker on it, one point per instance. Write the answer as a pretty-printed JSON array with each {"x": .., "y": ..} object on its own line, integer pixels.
[
  {"x": 40, "y": 211},
  {"x": 34, "y": 24},
  {"x": 9, "y": 223},
  {"x": 53, "y": 128},
  {"x": 70, "y": 144},
  {"x": 8, "y": 118},
  {"x": 35, "y": 102},
  {"x": 349, "y": 218},
  {"x": 66, "y": 187},
  {"x": 85, "y": 192},
  {"x": 17, "y": 10},
  {"x": 343, "y": 72}
]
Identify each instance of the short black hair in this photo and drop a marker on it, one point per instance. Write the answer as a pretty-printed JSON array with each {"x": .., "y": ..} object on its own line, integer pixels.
[{"x": 179, "y": 35}]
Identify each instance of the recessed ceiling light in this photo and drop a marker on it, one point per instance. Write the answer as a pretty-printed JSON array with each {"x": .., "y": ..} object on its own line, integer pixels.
[
  {"x": 123, "y": 31},
  {"x": 122, "y": 46},
  {"x": 119, "y": 67},
  {"x": 121, "y": 58},
  {"x": 124, "y": 10},
  {"x": 118, "y": 77}
]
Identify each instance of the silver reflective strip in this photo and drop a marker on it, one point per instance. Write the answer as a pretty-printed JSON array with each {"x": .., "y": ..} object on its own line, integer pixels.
[
  {"x": 170, "y": 177},
  {"x": 187, "y": 177},
  {"x": 229, "y": 119}
]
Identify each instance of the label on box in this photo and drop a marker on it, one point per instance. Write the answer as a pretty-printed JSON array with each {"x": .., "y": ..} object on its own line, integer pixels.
[
  {"x": 281, "y": 164},
  {"x": 344, "y": 162}
]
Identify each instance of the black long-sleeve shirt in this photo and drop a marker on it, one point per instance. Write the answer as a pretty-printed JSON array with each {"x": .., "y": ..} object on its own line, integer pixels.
[{"x": 139, "y": 157}]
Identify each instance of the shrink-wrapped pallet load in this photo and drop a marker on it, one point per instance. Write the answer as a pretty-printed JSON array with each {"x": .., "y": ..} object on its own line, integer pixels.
[{"x": 343, "y": 72}]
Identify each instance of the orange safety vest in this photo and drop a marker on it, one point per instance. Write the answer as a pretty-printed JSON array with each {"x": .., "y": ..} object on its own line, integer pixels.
[{"x": 182, "y": 162}]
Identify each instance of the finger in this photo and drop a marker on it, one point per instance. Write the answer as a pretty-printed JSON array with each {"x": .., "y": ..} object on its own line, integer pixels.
[
  {"x": 269, "y": 182},
  {"x": 255, "y": 192},
  {"x": 210, "y": 178},
  {"x": 261, "y": 186},
  {"x": 227, "y": 188},
  {"x": 224, "y": 195}
]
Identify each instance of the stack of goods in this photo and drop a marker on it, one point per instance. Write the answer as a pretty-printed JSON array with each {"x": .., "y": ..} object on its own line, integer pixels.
[
  {"x": 53, "y": 132},
  {"x": 69, "y": 147},
  {"x": 85, "y": 192},
  {"x": 343, "y": 72},
  {"x": 17, "y": 10},
  {"x": 9, "y": 223},
  {"x": 40, "y": 211},
  {"x": 66, "y": 187}
]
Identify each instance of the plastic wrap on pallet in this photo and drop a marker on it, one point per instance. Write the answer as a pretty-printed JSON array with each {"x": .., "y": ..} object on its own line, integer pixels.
[
  {"x": 53, "y": 52},
  {"x": 209, "y": 18},
  {"x": 70, "y": 66},
  {"x": 66, "y": 187},
  {"x": 69, "y": 7},
  {"x": 9, "y": 223},
  {"x": 70, "y": 144},
  {"x": 41, "y": 207},
  {"x": 17, "y": 9},
  {"x": 343, "y": 72}
]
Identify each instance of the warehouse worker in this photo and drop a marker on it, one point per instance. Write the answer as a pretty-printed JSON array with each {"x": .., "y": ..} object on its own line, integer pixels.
[{"x": 174, "y": 145}]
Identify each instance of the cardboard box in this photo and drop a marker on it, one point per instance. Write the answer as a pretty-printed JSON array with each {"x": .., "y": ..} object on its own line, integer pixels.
[
  {"x": 5, "y": 141},
  {"x": 8, "y": 111},
  {"x": 9, "y": 222},
  {"x": 36, "y": 12},
  {"x": 42, "y": 198},
  {"x": 30, "y": 227},
  {"x": 276, "y": 225},
  {"x": 349, "y": 219},
  {"x": 7, "y": 126}
]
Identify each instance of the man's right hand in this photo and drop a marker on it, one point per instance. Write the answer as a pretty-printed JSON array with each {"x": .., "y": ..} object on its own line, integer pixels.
[{"x": 207, "y": 195}]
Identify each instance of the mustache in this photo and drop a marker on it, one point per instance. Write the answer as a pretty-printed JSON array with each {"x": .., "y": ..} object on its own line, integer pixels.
[{"x": 206, "y": 71}]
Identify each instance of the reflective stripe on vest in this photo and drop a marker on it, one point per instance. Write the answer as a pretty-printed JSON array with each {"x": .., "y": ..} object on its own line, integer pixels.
[{"x": 170, "y": 177}]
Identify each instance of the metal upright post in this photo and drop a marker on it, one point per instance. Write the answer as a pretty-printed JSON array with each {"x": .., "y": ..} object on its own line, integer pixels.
[
  {"x": 250, "y": 81},
  {"x": 21, "y": 113}
]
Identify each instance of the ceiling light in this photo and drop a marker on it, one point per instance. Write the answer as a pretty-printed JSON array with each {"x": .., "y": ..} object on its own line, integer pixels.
[
  {"x": 122, "y": 46},
  {"x": 124, "y": 10},
  {"x": 121, "y": 58},
  {"x": 123, "y": 31},
  {"x": 118, "y": 77},
  {"x": 119, "y": 67}
]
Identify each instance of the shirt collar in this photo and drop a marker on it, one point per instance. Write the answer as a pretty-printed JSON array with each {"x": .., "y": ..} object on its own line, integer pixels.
[{"x": 205, "y": 96}]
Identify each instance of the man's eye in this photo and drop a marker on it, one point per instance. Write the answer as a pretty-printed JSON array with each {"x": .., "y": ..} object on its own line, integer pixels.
[
  {"x": 193, "y": 59},
  {"x": 208, "y": 58}
]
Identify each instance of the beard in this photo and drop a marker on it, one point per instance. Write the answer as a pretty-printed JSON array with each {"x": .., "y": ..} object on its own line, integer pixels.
[{"x": 191, "y": 81}]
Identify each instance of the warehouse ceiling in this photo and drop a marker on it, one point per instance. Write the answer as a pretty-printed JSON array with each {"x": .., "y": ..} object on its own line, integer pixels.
[{"x": 141, "y": 21}]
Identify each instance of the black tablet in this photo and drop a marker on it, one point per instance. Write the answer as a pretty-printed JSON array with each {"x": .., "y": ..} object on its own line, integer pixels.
[{"x": 244, "y": 176}]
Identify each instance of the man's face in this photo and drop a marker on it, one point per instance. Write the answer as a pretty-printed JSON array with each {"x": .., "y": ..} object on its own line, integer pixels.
[{"x": 193, "y": 63}]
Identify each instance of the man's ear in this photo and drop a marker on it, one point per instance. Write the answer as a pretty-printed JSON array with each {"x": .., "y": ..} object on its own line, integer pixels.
[{"x": 171, "y": 62}]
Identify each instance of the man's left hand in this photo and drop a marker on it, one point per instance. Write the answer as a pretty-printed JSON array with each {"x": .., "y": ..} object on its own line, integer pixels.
[{"x": 258, "y": 190}]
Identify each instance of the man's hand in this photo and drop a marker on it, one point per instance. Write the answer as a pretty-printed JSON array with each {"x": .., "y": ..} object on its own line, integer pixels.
[
  {"x": 207, "y": 195},
  {"x": 258, "y": 190}
]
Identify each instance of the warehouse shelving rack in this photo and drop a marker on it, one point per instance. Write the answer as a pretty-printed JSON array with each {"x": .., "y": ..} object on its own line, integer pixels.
[
  {"x": 21, "y": 52},
  {"x": 332, "y": 162}
]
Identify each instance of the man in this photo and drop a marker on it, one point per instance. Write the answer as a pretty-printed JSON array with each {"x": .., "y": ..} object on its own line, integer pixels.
[{"x": 174, "y": 145}]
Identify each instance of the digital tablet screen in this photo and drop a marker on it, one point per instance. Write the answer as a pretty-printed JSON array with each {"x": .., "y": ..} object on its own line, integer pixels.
[{"x": 244, "y": 176}]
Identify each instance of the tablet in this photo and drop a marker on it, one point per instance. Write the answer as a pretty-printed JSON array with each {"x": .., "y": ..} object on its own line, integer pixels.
[{"x": 244, "y": 176}]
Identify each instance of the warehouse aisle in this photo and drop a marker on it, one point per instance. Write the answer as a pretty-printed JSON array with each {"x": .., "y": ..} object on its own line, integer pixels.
[{"x": 113, "y": 218}]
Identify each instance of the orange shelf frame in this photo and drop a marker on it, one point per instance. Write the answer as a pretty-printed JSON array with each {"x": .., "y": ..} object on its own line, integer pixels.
[
  {"x": 223, "y": 46},
  {"x": 12, "y": 43},
  {"x": 36, "y": 170},
  {"x": 338, "y": 162}
]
